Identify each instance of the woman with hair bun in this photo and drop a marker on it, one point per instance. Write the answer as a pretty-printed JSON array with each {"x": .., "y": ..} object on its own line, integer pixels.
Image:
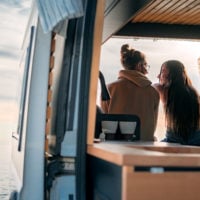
[
  {"x": 181, "y": 104},
  {"x": 133, "y": 93}
]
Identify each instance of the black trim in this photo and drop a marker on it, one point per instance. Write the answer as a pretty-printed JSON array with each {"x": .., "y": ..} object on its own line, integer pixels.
[
  {"x": 63, "y": 101},
  {"x": 86, "y": 53},
  {"x": 162, "y": 169},
  {"x": 157, "y": 30}
]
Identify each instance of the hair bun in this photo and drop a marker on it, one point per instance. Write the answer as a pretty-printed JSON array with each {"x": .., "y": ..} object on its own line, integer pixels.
[{"x": 125, "y": 49}]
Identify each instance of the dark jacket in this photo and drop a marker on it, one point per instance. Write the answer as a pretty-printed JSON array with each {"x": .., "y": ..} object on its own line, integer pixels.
[{"x": 194, "y": 138}]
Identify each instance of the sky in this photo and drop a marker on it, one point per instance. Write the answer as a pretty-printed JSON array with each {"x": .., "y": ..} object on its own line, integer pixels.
[
  {"x": 14, "y": 16},
  {"x": 157, "y": 51}
]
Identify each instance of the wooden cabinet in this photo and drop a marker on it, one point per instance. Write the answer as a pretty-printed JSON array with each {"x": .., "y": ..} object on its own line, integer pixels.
[
  {"x": 144, "y": 172},
  {"x": 173, "y": 185}
]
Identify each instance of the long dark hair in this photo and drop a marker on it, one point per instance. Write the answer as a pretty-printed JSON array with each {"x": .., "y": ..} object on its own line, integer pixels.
[{"x": 182, "y": 105}]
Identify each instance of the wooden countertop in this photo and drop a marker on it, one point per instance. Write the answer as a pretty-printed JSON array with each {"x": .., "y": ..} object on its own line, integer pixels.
[{"x": 146, "y": 153}]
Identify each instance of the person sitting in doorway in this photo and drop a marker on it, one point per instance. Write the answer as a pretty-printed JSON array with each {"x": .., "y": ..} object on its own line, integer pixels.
[
  {"x": 133, "y": 93},
  {"x": 181, "y": 104}
]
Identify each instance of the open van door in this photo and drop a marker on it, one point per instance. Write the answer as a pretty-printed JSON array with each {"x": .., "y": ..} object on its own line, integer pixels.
[
  {"x": 67, "y": 137},
  {"x": 49, "y": 152}
]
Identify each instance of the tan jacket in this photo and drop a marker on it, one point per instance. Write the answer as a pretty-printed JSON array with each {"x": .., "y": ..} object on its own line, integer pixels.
[{"x": 132, "y": 93}]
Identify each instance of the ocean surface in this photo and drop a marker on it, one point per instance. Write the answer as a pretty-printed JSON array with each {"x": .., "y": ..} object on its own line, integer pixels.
[
  {"x": 6, "y": 180},
  {"x": 7, "y": 183}
]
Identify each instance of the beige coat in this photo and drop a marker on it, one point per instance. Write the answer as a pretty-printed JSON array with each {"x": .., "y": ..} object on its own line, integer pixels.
[{"x": 132, "y": 93}]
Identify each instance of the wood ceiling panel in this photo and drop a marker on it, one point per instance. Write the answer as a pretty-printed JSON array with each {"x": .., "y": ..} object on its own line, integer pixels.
[
  {"x": 157, "y": 11},
  {"x": 170, "y": 12},
  {"x": 176, "y": 11}
]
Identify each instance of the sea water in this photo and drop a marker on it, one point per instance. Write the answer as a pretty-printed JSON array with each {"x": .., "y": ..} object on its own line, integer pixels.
[
  {"x": 4, "y": 163},
  {"x": 7, "y": 182}
]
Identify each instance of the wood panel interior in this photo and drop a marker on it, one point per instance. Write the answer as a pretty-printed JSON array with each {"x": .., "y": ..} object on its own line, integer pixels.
[
  {"x": 165, "y": 186},
  {"x": 95, "y": 70},
  {"x": 49, "y": 99},
  {"x": 170, "y": 12}
]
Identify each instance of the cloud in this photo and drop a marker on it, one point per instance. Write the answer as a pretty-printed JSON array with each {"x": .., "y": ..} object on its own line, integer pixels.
[
  {"x": 9, "y": 112},
  {"x": 8, "y": 54},
  {"x": 16, "y": 3},
  {"x": 7, "y": 98},
  {"x": 14, "y": 16},
  {"x": 8, "y": 82}
]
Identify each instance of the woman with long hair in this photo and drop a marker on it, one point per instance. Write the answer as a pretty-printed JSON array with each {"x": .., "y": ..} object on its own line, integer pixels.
[{"x": 181, "y": 104}]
